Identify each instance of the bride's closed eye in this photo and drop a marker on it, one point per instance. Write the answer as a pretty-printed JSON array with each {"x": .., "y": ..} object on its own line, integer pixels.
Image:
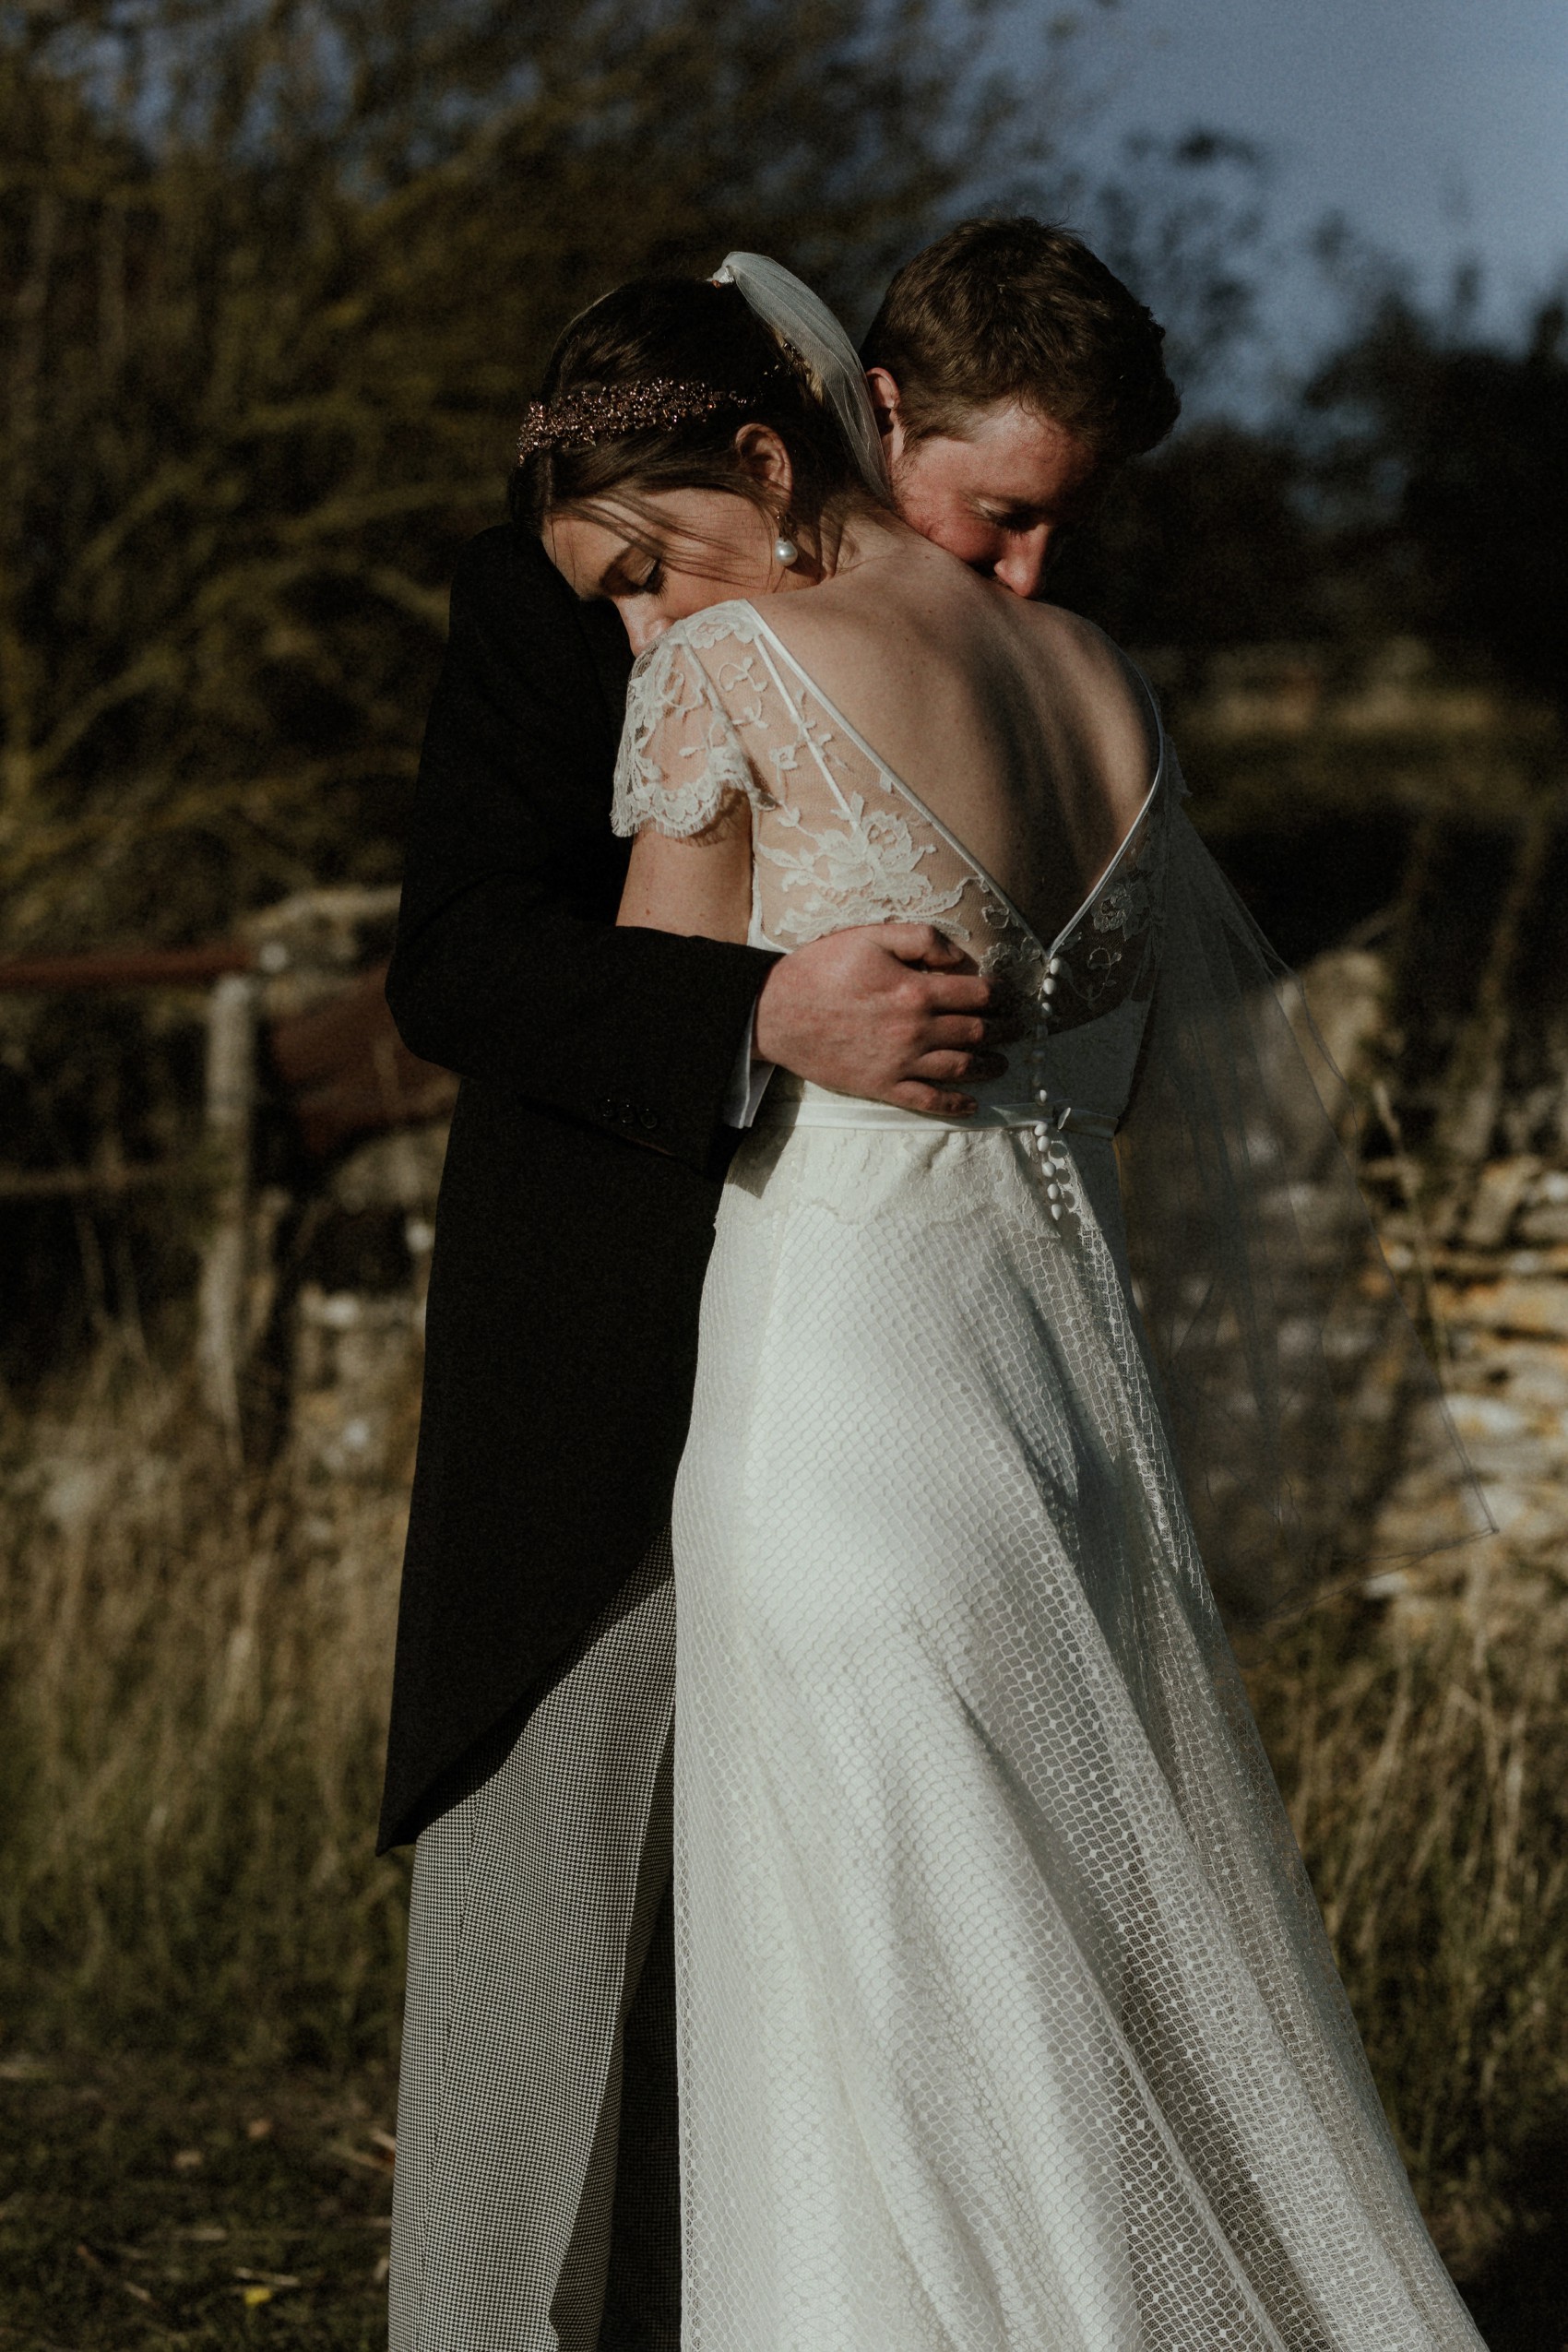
[
  {"x": 619, "y": 579},
  {"x": 617, "y": 583}
]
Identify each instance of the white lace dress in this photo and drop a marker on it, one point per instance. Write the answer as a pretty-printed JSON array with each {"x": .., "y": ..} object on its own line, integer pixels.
[{"x": 1006, "y": 2016}]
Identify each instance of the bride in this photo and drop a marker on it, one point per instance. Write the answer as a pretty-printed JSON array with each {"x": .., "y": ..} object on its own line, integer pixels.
[{"x": 1006, "y": 2016}]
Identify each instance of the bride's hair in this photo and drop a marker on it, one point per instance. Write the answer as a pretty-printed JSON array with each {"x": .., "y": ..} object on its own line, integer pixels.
[{"x": 661, "y": 374}]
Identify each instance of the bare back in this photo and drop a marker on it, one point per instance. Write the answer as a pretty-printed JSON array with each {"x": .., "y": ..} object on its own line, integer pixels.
[
  {"x": 1019, "y": 725},
  {"x": 913, "y": 745}
]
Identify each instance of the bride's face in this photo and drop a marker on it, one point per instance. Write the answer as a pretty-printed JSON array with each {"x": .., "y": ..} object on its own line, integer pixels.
[
  {"x": 676, "y": 551},
  {"x": 683, "y": 550}
]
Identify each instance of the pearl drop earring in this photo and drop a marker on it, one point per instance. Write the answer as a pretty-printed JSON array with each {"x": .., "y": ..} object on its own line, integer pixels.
[{"x": 785, "y": 551}]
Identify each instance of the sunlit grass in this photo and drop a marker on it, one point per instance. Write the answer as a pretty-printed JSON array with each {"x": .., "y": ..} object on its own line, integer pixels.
[{"x": 1424, "y": 1757}]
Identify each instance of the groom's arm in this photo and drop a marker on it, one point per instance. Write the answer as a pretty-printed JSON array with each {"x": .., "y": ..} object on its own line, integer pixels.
[{"x": 508, "y": 967}]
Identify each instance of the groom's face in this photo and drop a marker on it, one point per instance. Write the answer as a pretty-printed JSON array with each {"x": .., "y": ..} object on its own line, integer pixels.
[{"x": 1001, "y": 494}]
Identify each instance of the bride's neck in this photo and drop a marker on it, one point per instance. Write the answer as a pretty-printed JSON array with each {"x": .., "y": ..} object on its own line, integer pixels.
[{"x": 859, "y": 534}]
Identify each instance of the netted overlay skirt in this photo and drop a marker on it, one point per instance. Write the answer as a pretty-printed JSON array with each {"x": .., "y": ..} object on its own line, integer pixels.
[{"x": 1007, "y": 2015}]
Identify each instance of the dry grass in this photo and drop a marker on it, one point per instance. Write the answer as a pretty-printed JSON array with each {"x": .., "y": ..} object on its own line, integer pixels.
[
  {"x": 1424, "y": 1757},
  {"x": 145, "y": 2204},
  {"x": 196, "y": 1663}
]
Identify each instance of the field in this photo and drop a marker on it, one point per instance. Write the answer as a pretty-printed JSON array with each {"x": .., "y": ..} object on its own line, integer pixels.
[{"x": 200, "y": 1957}]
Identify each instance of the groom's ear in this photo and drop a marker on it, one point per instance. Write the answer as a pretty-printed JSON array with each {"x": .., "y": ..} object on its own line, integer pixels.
[{"x": 886, "y": 401}]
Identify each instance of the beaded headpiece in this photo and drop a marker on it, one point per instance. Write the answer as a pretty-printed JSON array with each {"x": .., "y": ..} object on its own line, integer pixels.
[{"x": 595, "y": 412}]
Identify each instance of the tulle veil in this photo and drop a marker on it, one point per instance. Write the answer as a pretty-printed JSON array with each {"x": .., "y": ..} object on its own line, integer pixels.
[{"x": 1298, "y": 1389}]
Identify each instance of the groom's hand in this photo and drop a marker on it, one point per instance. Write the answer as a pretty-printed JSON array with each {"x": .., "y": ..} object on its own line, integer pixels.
[{"x": 892, "y": 1012}]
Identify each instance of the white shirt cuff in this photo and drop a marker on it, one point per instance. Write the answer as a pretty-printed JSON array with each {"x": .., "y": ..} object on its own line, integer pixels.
[{"x": 748, "y": 1081}]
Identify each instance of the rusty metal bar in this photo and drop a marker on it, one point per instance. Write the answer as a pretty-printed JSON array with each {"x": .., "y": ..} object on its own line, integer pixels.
[
  {"x": 77, "y": 1184},
  {"x": 127, "y": 968}
]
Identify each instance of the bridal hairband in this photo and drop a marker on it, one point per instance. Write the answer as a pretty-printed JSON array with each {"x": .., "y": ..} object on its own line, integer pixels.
[{"x": 580, "y": 420}]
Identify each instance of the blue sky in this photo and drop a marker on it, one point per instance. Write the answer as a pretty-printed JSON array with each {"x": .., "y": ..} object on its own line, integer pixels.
[{"x": 1438, "y": 127}]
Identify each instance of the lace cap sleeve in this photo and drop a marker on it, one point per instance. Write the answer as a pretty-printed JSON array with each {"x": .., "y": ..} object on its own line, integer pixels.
[{"x": 681, "y": 759}]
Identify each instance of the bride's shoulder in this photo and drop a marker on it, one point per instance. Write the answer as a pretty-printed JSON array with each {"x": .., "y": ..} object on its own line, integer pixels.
[
  {"x": 1092, "y": 688},
  {"x": 733, "y": 622},
  {"x": 1072, "y": 634},
  {"x": 1082, "y": 651}
]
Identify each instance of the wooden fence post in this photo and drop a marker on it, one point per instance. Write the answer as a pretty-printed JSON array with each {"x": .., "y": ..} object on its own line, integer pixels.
[{"x": 229, "y": 1111}]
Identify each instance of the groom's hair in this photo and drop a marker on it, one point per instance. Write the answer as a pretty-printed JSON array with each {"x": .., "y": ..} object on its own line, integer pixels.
[{"x": 1015, "y": 310}]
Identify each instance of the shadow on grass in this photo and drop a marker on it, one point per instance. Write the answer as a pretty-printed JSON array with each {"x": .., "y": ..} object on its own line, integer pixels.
[
  {"x": 145, "y": 2204},
  {"x": 1519, "y": 2299}
]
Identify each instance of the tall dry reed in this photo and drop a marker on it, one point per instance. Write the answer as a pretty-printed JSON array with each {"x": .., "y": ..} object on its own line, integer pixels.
[{"x": 195, "y": 1661}]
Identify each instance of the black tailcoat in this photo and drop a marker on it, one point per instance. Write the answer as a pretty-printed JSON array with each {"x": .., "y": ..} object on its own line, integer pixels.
[{"x": 588, "y": 1146}]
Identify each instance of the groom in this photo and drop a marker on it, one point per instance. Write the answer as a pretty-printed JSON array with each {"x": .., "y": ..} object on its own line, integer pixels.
[{"x": 605, "y": 1074}]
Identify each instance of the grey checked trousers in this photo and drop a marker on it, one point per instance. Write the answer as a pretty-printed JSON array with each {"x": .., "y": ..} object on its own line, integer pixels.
[{"x": 536, "y": 2206}]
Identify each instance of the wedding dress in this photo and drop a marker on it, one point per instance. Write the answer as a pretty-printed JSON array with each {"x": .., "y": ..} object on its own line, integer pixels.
[{"x": 1007, "y": 2020}]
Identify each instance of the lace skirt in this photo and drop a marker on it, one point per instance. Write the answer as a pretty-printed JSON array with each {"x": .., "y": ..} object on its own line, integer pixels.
[{"x": 1006, "y": 2016}]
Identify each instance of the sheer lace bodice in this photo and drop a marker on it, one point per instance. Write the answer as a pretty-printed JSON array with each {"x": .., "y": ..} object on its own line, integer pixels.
[{"x": 720, "y": 711}]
